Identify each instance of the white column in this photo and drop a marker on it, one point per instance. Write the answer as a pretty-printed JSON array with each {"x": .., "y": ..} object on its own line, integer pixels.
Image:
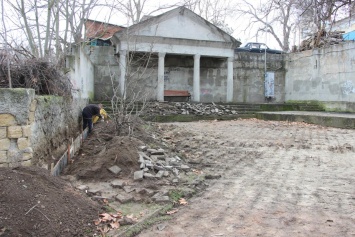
[
  {"x": 160, "y": 88},
  {"x": 196, "y": 84},
  {"x": 230, "y": 79},
  {"x": 123, "y": 72}
]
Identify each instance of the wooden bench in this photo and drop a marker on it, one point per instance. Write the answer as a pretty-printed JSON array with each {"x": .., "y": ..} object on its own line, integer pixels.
[{"x": 176, "y": 95}]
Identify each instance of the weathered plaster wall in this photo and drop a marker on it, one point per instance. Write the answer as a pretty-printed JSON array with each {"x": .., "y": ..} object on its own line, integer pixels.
[
  {"x": 33, "y": 128},
  {"x": 178, "y": 75},
  {"x": 249, "y": 75},
  {"x": 325, "y": 74},
  {"x": 106, "y": 70},
  {"x": 81, "y": 72}
]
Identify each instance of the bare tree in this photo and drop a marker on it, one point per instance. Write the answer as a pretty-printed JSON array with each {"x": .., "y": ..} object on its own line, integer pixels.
[
  {"x": 215, "y": 11},
  {"x": 6, "y": 46},
  {"x": 134, "y": 10},
  {"x": 272, "y": 16},
  {"x": 323, "y": 12},
  {"x": 128, "y": 105},
  {"x": 45, "y": 23}
]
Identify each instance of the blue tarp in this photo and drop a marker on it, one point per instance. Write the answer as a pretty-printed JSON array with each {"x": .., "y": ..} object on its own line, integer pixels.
[{"x": 349, "y": 36}]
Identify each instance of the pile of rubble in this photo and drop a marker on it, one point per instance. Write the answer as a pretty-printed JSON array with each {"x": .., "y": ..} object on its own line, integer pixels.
[
  {"x": 154, "y": 163},
  {"x": 185, "y": 108},
  {"x": 320, "y": 39}
]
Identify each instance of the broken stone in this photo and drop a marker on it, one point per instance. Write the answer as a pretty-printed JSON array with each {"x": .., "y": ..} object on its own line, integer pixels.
[
  {"x": 137, "y": 199},
  {"x": 141, "y": 159},
  {"x": 168, "y": 167},
  {"x": 138, "y": 175},
  {"x": 175, "y": 181},
  {"x": 82, "y": 187},
  {"x": 156, "y": 152},
  {"x": 160, "y": 174},
  {"x": 148, "y": 175},
  {"x": 115, "y": 169},
  {"x": 118, "y": 183},
  {"x": 101, "y": 198},
  {"x": 175, "y": 171},
  {"x": 144, "y": 155},
  {"x": 158, "y": 198},
  {"x": 184, "y": 167},
  {"x": 93, "y": 191},
  {"x": 157, "y": 167},
  {"x": 127, "y": 221},
  {"x": 150, "y": 192},
  {"x": 148, "y": 164},
  {"x": 157, "y": 157},
  {"x": 143, "y": 148},
  {"x": 129, "y": 189},
  {"x": 166, "y": 173},
  {"x": 161, "y": 227},
  {"x": 124, "y": 198}
]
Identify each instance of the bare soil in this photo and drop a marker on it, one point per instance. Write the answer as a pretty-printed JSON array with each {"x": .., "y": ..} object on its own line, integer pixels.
[
  {"x": 34, "y": 203},
  {"x": 263, "y": 179},
  {"x": 277, "y": 179}
]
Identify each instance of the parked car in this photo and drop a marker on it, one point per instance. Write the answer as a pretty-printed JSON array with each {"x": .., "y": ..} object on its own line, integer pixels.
[{"x": 257, "y": 48}]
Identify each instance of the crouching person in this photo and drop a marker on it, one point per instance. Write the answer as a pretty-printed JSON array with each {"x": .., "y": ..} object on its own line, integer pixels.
[{"x": 88, "y": 112}]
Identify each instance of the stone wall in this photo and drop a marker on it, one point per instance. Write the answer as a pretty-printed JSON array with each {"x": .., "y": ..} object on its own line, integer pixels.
[
  {"x": 33, "y": 129},
  {"x": 57, "y": 121},
  {"x": 17, "y": 109}
]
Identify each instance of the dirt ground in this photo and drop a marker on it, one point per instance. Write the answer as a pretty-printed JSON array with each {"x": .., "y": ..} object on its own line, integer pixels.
[
  {"x": 34, "y": 203},
  {"x": 263, "y": 179},
  {"x": 277, "y": 179}
]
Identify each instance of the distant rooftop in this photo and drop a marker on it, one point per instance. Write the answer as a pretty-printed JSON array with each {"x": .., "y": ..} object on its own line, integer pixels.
[{"x": 100, "y": 30}]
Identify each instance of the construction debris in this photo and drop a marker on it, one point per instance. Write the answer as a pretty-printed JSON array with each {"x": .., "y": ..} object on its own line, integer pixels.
[
  {"x": 321, "y": 39},
  {"x": 155, "y": 164},
  {"x": 186, "y": 108}
]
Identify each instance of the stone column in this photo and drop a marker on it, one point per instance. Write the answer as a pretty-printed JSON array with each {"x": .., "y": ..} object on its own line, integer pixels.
[
  {"x": 196, "y": 84},
  {"x": 230, "y": 79},
  {"x": 123, "y": 72},
  {"x": 160, "y": 88}
]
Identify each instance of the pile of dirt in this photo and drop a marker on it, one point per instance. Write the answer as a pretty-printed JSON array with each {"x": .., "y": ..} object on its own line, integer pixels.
[
  {"x": 34, "y": 203},
  {"x": 104, "y": 149}
]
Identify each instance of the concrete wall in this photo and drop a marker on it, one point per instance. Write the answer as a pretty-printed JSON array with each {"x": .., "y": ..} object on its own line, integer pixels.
[
  {"x": 249, "y": 75},
  {"x": 81, "y": 72},
  {"x": 249, "y": 69},
  {"x": 325, "y": 74},
  {"x": 106, "y": 70},
  {"x": 35, "y": 128}
]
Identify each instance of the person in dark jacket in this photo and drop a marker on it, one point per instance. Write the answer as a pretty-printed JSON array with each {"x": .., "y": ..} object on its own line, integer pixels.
[{"x": 89, "y": 111}]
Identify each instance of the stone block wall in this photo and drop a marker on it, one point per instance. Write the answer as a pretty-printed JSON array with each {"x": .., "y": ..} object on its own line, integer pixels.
[
  {"x": 17, "y": 109},
  {"x": 33, "y": 129}
]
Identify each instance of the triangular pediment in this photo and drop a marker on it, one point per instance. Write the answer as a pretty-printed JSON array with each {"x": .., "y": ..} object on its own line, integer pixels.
[{"x": 180, "y": 23}]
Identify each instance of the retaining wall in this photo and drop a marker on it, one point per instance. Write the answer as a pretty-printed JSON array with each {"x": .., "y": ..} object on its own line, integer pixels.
[
  {"x": 325, "y": 74},
  {"x": 34, "y": 129}
]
